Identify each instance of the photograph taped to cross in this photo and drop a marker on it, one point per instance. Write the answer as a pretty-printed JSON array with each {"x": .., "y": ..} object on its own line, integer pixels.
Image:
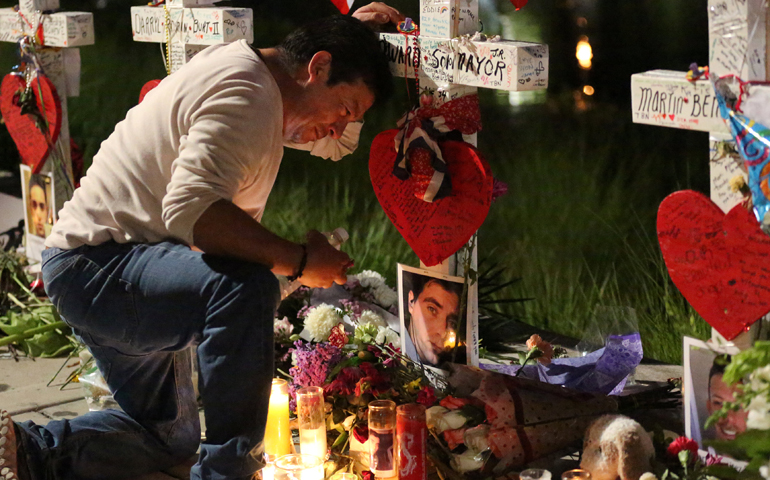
[
  {"x": 435, "y": 321},
  {"x": 38, "y": 195}
]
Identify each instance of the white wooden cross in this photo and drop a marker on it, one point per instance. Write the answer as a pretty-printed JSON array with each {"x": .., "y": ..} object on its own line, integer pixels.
[
  {"x": 189, "y": 26},
  {"x": 738, "y": 41},
  {"x": 452, "y": 65},
  {"x": 61, "y": 34}
]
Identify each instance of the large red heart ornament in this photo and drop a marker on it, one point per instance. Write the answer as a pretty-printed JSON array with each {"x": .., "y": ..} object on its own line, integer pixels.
[
  {"x": 720, "y": 263},
  {"x": 438, "y": 229},
  {"x": 33, "y": 144}
]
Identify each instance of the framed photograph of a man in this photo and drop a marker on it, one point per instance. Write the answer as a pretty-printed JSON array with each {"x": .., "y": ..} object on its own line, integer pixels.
[
  {"x": 434, "y": 318},
  {"x": 39, "y": 210},
  {"x": 704, "y": 392}
]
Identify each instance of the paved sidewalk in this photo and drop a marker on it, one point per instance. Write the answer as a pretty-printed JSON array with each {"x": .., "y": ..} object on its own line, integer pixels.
[{"x": 26, "y": 396}]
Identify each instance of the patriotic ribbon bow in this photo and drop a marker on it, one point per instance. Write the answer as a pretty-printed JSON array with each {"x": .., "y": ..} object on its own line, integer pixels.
[{"x": 419, "y": 154}]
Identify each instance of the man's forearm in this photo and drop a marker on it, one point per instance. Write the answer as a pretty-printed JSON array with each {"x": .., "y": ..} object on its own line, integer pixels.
[{"x": 224, "y": 229}]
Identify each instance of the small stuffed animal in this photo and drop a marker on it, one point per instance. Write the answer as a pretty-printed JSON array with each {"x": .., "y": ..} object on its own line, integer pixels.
[{"x": 617, "y": 447}]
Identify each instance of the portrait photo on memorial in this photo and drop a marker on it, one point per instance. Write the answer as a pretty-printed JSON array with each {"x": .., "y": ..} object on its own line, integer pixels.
[
  {"x": 38, "y": 199},
  {"x": 433, "y": 316},
  {"x": 705, "y": 393}
]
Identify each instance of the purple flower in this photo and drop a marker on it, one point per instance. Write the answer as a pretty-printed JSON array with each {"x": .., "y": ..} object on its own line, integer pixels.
[
  {"x": 314, "y": 361},
  {"x": 352, "y": 308},
  {"x": 499, "y": 188},
  {"x": 712, "y": 460}
]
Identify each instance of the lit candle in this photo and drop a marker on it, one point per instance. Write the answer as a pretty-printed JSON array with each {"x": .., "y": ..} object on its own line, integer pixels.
[
  {"x": 277, "y": 430},
  {"x": 298, "y": 467},
  {"x": 312, "y": 425}
]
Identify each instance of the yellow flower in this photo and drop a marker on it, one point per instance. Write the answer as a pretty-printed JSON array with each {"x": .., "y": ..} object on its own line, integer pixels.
[{"x": 413, "y": 386}]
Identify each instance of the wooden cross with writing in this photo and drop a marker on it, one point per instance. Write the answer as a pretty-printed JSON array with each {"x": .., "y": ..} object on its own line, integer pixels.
[
  {"x": 189, "y": 26},
  {"x": 738, "y": 40},
  {"x": 56, "y": 36},
  {"x": 452, "y": 64}
]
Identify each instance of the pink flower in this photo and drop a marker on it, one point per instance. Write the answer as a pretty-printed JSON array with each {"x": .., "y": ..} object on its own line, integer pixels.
[
  {"x": 545, "y": 347},
  {"x": 499, "y": 188}
]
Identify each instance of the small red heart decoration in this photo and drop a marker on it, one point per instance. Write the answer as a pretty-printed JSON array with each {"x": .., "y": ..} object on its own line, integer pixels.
[
  {"x": 719, "y": 262},
  {"x": 671, "y": 116},
  {"x": 438, "y": 229},
  {"x": 32, "y": 143},
  {"x": 146, "y": 88}
]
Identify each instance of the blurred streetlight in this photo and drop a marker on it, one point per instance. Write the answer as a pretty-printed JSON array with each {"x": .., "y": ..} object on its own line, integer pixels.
[{"x": 584, "y": 53}]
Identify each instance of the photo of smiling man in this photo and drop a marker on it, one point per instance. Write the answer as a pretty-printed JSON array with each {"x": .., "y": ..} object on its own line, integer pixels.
[{"x": 430, "y": 316}]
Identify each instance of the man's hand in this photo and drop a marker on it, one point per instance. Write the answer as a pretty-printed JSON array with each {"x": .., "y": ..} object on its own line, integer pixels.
[
  {"x": 325, "y": 264},
  {"x": 377, "y": 14}
]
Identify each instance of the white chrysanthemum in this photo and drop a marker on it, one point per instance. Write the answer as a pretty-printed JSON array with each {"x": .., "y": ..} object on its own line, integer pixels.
[
  {"x": 759, "y": 413},
  {"x": 385, "y": 296},
  {"x": 760, "y": 378},
  {"x": 370, "y": 279},
  {"x": 387, "y": 335},
  {"x": 648, "y": 476},
  {"x": 320, "y": 320},
  {"x": 369, "y": 317}
]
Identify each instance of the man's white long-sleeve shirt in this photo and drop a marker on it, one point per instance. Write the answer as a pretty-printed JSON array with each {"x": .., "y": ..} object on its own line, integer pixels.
[{"x": 211, "y": 131}]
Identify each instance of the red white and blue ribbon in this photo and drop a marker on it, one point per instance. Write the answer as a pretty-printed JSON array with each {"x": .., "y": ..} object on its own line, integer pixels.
[
  {"x": 343, "y": 5},
  {"x": 418, "y": 143}
]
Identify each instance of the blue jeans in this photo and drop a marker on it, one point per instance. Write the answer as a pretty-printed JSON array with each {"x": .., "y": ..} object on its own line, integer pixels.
[{"x": 138, "y": 308}]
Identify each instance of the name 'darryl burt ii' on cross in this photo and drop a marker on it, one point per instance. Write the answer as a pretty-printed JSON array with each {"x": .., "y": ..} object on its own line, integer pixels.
[{"x": 667, "y": 98}]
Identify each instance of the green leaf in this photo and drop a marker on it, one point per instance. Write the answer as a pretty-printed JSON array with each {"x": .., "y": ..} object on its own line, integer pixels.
[
  {"x": 340, "y": 440},
  {"x": 338, "y": 415}
]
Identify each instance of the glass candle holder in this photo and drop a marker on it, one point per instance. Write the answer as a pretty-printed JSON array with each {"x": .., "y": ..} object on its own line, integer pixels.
[
  {"x": 412, "y": 441},
  {"x": 312, "y": 424},
  {"x": 535, "y": 474},
  {"x": 576, "y": 474},
  {"x": 298, "y": 467},
  {"x": 344, "y": 476},
  {"x": 277, "y": 430},
  {"x": 382, "y": 426}
]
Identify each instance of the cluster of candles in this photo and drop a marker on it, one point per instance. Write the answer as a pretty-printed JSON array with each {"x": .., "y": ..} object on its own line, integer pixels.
[{"x": 397, "y": 438}]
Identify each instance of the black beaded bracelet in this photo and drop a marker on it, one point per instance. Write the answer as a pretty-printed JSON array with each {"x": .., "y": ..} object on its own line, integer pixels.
[{"x": 302, "y": 264}]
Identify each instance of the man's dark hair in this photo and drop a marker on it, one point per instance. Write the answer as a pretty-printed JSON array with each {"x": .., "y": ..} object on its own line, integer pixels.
[
  {"x": 417, "y": 283},
  {"x": 36, "y": 180},
  {"x": 718, "y": 368},
  {"x": 355, "y": 51}
]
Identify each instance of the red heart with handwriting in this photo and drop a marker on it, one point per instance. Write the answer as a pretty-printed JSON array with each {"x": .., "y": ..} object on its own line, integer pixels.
[
  {"x": 434, "y": 230},
  {"x": 719, "y": 262},
  {"x": 33, "y": 144}
]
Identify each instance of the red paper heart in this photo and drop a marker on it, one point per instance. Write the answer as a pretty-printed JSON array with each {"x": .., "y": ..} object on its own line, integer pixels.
[
  {"x": 434, "y": 230},
  {"x": 719, "y": 262},
  {"x": 146, "y": 88},
  {"x": 32, "y": 143}
]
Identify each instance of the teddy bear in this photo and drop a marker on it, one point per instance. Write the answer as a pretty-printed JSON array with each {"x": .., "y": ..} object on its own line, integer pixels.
[{"x": 617, "y": 447}]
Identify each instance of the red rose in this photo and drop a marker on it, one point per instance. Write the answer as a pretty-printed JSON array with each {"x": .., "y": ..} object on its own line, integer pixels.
[
  {"x": 426, "y": 396},
  {"x": 455, "y": 437},
  {"x": 453, "y": 403},
  {"x": 367, "y": 475},
  {"x": 682, "y": 443},
  {"x": 361, "y": 432}
]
